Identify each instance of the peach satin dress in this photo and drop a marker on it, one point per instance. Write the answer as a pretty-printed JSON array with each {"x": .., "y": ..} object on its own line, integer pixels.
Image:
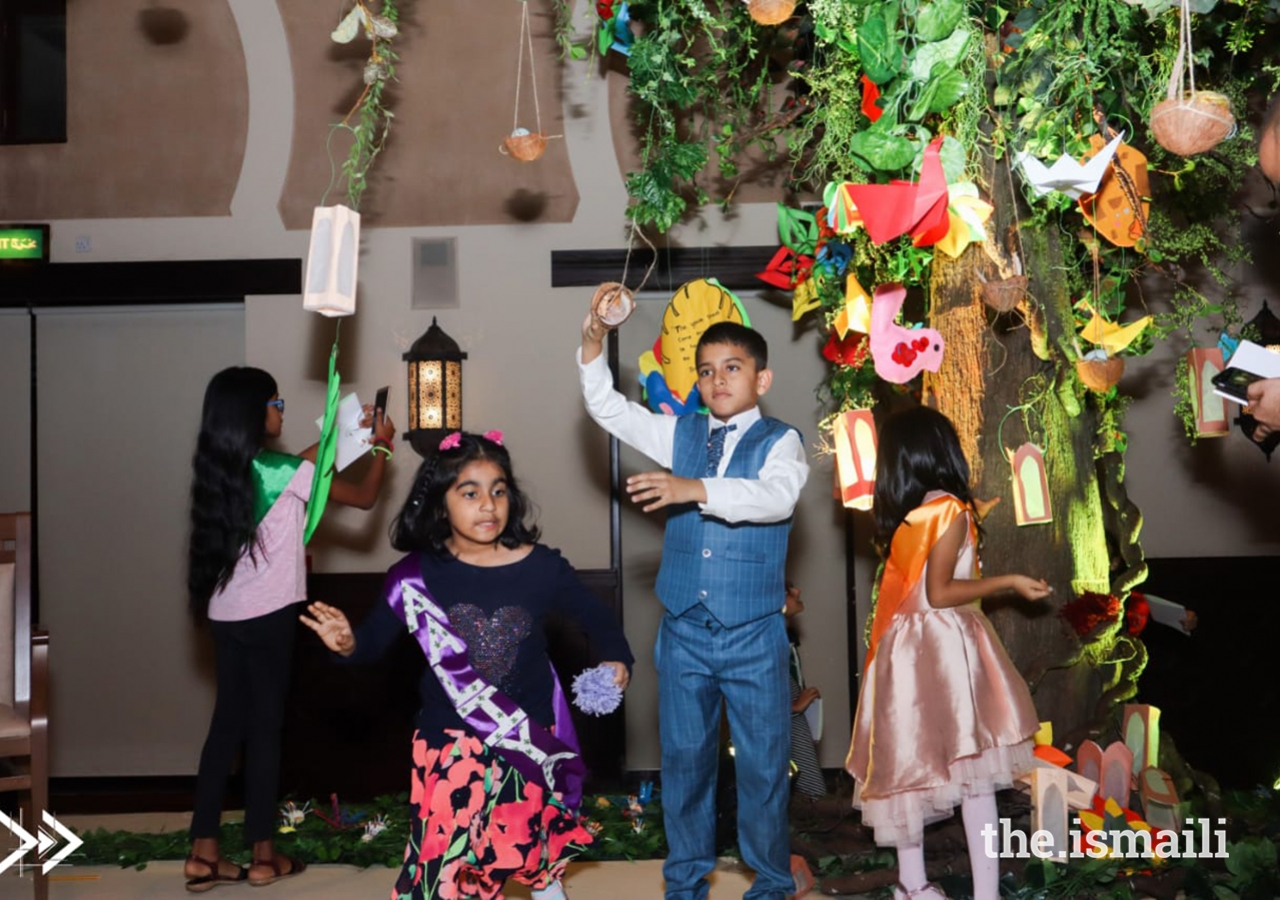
[{"x": 942, "y": 714}]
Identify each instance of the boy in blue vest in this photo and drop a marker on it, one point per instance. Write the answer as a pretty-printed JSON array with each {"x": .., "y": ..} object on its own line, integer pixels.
[{"x": 734, "y": 480}]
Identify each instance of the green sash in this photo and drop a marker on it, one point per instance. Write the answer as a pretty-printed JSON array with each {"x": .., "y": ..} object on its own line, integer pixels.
[
  {"x": 272, "y": 472},
  {"x": 327, "y": 451}
]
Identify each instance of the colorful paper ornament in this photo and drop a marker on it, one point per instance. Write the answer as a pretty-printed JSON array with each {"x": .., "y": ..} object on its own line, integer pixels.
[
  {"x": 1141, "y": 725},
  {"x": 1049, "y": 810},
  {"x": 1031, "y": 500},
  {"x": 333, "y": 258},
  {"x": 967, "y": 215},
  {"x": 668, "y": 372},
  {"x": 855, "y": 315},
  {"x": 918, "y": 208},
  {"x": 1159, "y": 799},
  {"x": 1110, "y": 336},
  {"x": 1089, "y": 760},
  {"x": 900, "y": 354},
  {"x": 1209, "y": 408},
  {"x": 1066, "y": 175},
  {"x": 855, "y": 440},
  {"x": 1119, "y": 208},
  {"x": 1116, "y": 779}
]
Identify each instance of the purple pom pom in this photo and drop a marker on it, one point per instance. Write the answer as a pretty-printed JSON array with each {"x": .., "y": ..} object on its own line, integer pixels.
[{"x": 595, "y": 693}]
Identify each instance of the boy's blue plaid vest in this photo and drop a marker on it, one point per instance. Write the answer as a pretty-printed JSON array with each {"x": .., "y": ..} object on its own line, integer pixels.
[{"x": 736, "y": 571}]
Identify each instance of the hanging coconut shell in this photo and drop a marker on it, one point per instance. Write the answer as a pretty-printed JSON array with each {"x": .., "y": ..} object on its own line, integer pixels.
[
  {"x": 1193, "y": 122},
  {"x": 1100, "y": 374},
  {"x": 613, "y": 303},
  {"x": 771, "y": 12},
  {"x": 1005, "y": 294},
  {"x": 1269, "y": 142},
  {"x": 524, "y": 145}
]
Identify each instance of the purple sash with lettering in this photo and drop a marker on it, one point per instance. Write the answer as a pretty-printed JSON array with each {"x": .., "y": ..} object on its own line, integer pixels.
[{"x": 550, "y": 760}]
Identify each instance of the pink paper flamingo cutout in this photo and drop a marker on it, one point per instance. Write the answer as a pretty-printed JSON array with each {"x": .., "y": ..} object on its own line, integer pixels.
[{"x": 900, "y": 353}]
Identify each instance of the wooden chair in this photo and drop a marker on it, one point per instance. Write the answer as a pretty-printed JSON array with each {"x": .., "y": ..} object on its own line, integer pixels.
[{"x": 24, "y": 686}]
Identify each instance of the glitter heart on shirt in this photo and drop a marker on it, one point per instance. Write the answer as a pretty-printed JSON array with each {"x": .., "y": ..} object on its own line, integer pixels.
[{"x": 491, "y": 640}]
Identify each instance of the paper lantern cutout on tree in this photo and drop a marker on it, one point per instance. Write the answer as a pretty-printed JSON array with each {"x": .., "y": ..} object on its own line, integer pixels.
[
  {"x": 1031, "y": 502},
  {"x": 1142, "y": 734},
  {"x": 1049, "y": 809},
  {"x": 855, "y": 440},
  {"x": 332, "y": 261},
  {"x": 1209, "y": 408}
]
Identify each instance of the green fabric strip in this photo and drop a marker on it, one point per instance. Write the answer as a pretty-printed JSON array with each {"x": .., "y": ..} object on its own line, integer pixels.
[
  {"x": 327, "y": 450},
  {"x": 272, "y": 472}
]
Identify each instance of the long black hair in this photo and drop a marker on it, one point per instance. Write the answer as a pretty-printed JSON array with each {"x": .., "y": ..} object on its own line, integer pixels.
[
  {"x": 919, "y": 452},
  {"x": 232, "y": 430},
  {"x": 423, "y": 522}
]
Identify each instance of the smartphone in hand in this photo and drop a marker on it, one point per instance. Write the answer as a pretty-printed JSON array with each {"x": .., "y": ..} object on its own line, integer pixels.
[
  {"x": 380, "y": 402},
  {"x": 1234, "y": 383}
]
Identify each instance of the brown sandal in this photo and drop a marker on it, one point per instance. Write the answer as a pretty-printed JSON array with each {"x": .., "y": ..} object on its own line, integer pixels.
[
  {"x": 296, "y": 867},
  {"x": 215, "y": 878}
]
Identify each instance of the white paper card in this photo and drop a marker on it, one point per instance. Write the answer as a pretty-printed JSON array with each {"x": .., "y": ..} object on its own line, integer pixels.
[
  {"x": 353, "y": 441},
  {"x": 1166, "y": 612},
  {"x": 813, "y": 715}
]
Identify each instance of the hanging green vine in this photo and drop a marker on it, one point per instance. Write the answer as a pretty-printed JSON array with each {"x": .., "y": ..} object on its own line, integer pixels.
[{"x": 370, "y": 118}]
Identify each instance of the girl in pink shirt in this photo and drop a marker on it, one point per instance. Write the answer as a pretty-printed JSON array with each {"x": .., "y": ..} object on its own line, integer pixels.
[{"x": 246, "y": 570}]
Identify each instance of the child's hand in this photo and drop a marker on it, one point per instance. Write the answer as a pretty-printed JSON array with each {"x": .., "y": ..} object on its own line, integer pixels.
[
  {"x": 621, "y": 677},
  {"x": 807, "y": 696},
  {"x": 658, "y": 489},
  {"x": 593, "y": 330},
  {"x": 1031, "y": 588},
  {"x": 332, "y": 626}
]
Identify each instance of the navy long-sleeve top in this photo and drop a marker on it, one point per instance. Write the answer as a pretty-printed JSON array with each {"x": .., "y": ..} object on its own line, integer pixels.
[{"x": 501, "y": 612}]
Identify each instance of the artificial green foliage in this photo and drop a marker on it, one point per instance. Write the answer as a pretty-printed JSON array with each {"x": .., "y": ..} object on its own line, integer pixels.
[{"x": 370, "y": 119}]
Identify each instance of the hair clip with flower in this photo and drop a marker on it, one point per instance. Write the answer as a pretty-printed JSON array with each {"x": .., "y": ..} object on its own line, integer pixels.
[
  {"x": 451, "y": 441},
  {"x": 495, "y": 435}
]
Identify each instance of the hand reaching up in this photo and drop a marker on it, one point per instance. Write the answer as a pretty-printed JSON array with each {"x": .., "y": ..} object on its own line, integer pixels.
[{"x": 332, "y": 627}]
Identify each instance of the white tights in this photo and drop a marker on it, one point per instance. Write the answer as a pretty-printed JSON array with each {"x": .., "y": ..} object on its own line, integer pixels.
[{"x": 978, "y": 812}]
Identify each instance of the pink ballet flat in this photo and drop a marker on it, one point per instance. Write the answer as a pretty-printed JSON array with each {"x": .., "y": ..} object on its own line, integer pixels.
[{"x": 928, "y": 889}]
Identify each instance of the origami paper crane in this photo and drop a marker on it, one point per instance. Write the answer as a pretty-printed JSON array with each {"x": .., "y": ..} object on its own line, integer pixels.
[
  {"x": 1110, "y": 336},
  {"x": 918, "y": 208},
  {"x": 900, "y": 353},
  {"x": 1066, "y": 175}
]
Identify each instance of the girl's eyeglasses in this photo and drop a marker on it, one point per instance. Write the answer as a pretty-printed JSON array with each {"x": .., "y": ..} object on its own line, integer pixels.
[{"x": 278, "y": 404}]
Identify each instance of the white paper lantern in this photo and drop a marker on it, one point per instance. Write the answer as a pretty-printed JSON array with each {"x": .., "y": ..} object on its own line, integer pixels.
[{"x": 330, "y": 286}]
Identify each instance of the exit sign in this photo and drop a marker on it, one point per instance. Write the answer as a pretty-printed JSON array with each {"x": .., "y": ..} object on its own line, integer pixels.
[{"x": 26, "y": 242}]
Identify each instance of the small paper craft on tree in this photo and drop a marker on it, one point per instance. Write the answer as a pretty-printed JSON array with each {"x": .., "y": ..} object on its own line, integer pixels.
[
  {"x": 855, "y": 440},
  {"x": 899, "y": 353},
  {"x": 1111, "y": 337},
  {"x": 1031, "y": 501},
  {"x": 1209, "y": 409},
  {"x": 1142, "y": 734},
  {"x": 1049, "y": 810},
  {"x": 1118, "y": 209},
  {"x": 332, "y": 261},
  {"x": 855, "y": 315},
  {"x": 1066, "y": 175},
  {"x": 918, "y": 208}
]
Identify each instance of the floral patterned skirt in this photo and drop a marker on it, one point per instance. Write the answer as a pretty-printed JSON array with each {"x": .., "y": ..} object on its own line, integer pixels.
[{"x": 475, "y": 822}]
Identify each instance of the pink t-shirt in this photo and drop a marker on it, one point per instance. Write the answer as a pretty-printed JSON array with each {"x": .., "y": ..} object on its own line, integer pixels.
[{"x": 276, "y": 575}]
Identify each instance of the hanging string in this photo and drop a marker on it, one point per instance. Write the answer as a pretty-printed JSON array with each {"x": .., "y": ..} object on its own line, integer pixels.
[
  {"x": 626, "y": 263},
  {"x": 1185, "y": 35},
  {"x": 526, "y": 41}
]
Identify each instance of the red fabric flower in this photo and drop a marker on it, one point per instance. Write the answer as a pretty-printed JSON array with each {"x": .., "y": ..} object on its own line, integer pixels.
[
  {"x": 1089, "y": 610},
  {"x": 1137, "y": 612},
  {"x": 852, "y": 351}
]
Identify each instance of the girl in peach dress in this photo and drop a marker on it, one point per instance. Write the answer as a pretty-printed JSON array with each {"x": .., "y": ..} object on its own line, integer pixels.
[{"x": 944, "y": 719}]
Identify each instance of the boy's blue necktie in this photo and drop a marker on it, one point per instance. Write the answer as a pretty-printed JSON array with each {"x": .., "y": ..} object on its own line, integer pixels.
[{"x": 715, "y": 448}]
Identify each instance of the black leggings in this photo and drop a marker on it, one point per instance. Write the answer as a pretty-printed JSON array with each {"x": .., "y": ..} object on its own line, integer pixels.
[{"x": 253, "y": 661}]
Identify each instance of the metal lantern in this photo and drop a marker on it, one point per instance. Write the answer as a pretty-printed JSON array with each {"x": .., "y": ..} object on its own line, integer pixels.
[{"x": 435, "y": 389}]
